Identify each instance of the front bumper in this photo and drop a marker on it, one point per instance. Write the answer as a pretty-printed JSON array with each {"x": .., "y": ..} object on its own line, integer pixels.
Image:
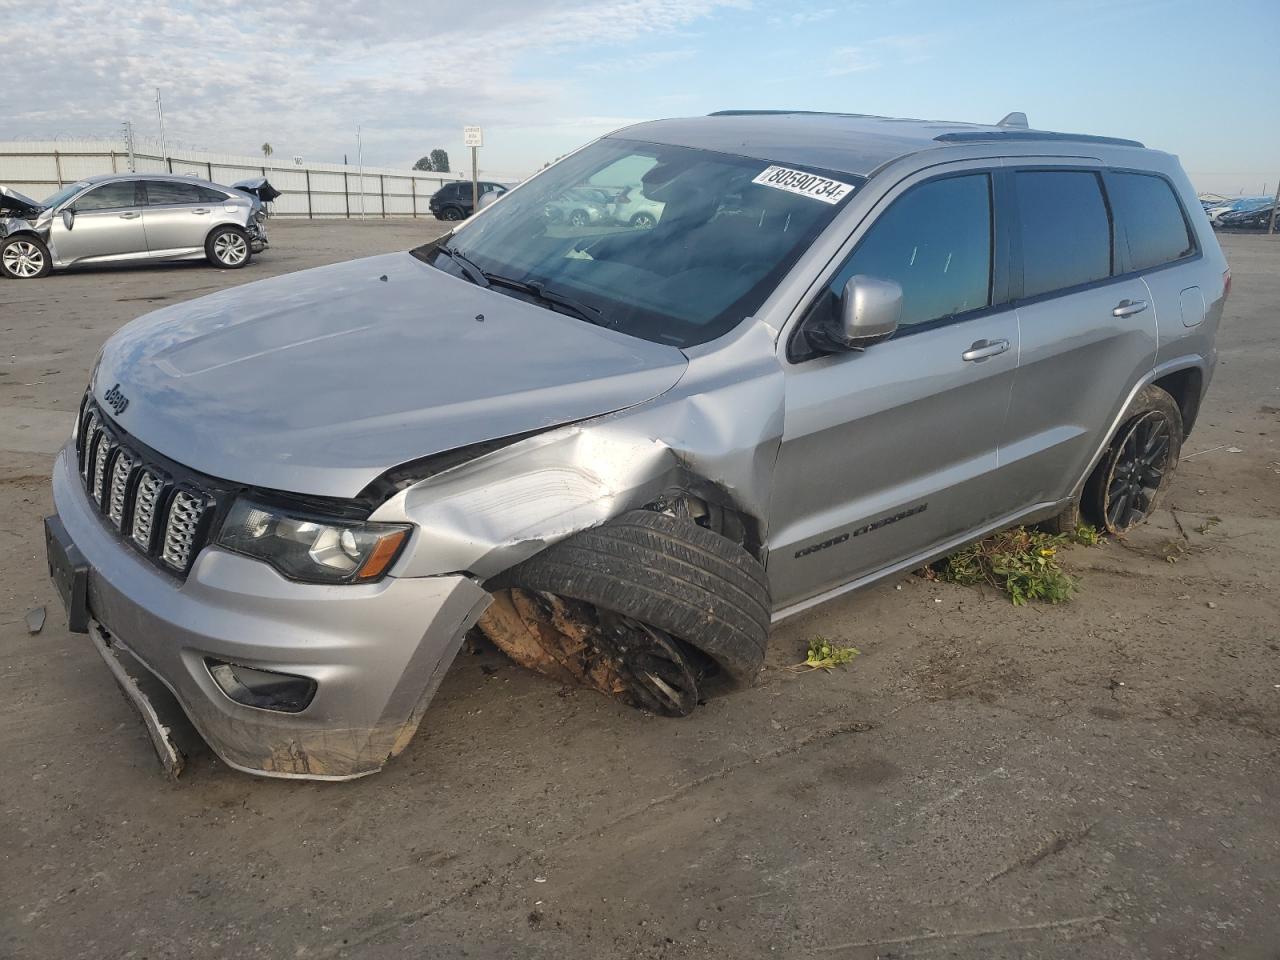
[{"x": 377, "y": 652}]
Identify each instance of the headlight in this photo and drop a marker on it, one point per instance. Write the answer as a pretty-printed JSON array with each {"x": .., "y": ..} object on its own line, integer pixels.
[{"x": 312, "y": 549}]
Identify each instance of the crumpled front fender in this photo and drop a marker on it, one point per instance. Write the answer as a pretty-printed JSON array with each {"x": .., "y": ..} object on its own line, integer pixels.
[
  {"x": 12, "y": 225},
  {"x": 715, "y": 436}
]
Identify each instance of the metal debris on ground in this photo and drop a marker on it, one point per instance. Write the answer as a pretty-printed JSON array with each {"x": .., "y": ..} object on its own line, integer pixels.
[{"x": 35, "y": 620}]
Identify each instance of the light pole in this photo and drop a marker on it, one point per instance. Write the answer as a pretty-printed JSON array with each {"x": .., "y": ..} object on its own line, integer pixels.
[
  {"x": 360, "y": 167},
  {"x": 128, "y": 145},
  {"x": 164, "y": 150}
]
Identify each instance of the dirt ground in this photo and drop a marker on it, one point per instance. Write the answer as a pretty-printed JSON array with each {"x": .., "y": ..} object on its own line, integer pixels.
[{"x": 1098, "y": 779}]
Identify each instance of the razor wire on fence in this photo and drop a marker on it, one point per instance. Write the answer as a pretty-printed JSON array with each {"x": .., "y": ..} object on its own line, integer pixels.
[{"x": 38, "y": 168}]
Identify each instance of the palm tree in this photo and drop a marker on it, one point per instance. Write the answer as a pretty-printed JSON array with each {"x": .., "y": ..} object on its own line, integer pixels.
[{"x": 267, "y": 150}]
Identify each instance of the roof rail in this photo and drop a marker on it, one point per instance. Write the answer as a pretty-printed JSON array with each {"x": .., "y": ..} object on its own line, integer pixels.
[
  {"x": 1013, "y": 133},
  {"x": 777, "y": 113}
]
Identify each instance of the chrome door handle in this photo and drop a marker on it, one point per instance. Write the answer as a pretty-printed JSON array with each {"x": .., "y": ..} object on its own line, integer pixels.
[
  {"x": 1127, "y": 308},
  {"x": 985, "y": 349},
  {"x": 131, "y": 215},
  {"x": 201, "y": 210}
]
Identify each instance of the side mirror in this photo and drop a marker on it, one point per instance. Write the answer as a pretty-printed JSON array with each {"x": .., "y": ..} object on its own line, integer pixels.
[
  {"x": 870, "y": 310},
  {"x": 68, "y": 217},
  {"x": 488, "y": 199}
]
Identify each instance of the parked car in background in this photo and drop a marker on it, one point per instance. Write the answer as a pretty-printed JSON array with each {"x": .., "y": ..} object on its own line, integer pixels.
[
  {"x": 126, "y": 217},
  {"x": 1238, "y": 205},
  {"x": 580, "y": 206},
  {"x": 1254, "y": 217},
  {"x": 631, "y": 207},
  {"x": 453, "y": 200},
  {"x": 850, "y": 346}
]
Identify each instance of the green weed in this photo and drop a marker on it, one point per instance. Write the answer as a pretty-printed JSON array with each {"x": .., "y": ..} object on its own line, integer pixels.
[
  {"x": 824, "y": 655},
  {"x": 1021, "y": 562}
]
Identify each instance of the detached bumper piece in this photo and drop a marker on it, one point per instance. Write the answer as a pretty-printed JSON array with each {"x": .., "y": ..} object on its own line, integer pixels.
[{"x": 132, "y": 678}]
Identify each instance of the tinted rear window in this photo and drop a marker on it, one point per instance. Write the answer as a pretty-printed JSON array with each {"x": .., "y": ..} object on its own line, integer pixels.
[
  {"x": 1149, "y": 220},
  {"x": 162, "y": 192},
  {"x": 1066, "y": 234}
]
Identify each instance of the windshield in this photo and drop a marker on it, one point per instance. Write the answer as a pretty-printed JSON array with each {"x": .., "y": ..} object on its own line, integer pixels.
[
  {"x": 666, "y": 243},
  {"x": 66, "y": 193}
]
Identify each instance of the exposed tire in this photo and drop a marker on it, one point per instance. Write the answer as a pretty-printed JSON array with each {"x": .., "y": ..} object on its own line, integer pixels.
[
  {"x": 670, "y": 573},
  {"x": 24, "y": 257},
  {"x": 228, "y": 248},
  {"x": 1136, "y": 469}
]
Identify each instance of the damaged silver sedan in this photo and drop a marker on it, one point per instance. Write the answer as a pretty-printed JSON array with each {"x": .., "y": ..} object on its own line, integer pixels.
[
  {"x": 622, "y": 452},
  {"x": 123, "y": 218}
]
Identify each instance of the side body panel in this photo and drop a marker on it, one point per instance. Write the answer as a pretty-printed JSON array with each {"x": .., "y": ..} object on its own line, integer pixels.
[
  {"x": 98, "y": 235},
  {"x": 886, "y": 452},
  {"x": 1079, "y": 366},
  {"x": 890, "y": 450},
  {"x": 177, "y": 228}
]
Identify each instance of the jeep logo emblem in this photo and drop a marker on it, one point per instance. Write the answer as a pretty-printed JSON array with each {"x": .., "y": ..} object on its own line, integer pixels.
[{"x": 117, "y": 400}]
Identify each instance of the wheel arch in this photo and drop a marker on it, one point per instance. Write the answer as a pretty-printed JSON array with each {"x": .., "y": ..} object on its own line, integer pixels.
[
  {"x": 1186, "y": 386},
  {"x": 1188, "y": 374},
  {"x": 215, "y": 227}
]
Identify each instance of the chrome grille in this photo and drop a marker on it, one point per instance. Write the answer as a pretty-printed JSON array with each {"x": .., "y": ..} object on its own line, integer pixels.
[
  {"x": 102, "y": 450},
  {"x": 119, "y": 482},
  {"x": 160, "y": 514},
  {"x": 180, "y": 532},
  {"x": 144, "y": 508},
  {"x": 86, "y": 442}
]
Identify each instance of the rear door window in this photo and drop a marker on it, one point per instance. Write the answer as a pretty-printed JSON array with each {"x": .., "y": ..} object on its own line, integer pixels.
[
  {"x": 109, "y": 196},
  {"x": 166, "y": 192},
  {"x": 1150, "y": 226},
  {"x": 1066, "y": 231},
  {"x": 934, "y": 240}
]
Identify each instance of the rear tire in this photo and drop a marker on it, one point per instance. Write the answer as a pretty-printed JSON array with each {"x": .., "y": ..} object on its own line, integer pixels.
[
  {"x": 228, "y": 248},
  {"x": 24, "y": 257},
  {"x": 451, "y": 213},
  {"x": 666, "y": 572},
  {"x": 1135, "y": 471}
]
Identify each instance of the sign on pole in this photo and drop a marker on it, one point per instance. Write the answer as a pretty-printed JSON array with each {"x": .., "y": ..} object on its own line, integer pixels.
[{"x": 473, "y": 137}]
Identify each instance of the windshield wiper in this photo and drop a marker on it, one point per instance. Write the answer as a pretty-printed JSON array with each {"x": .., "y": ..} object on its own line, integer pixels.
[
  {"x": 472, "y": 272},
  {"x": 583, "y": 311},
  {"x": 535, "y": 289}
]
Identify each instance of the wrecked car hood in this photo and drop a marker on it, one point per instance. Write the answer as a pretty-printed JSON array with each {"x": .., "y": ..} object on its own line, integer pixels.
[
  {"x": 319, "y": 381},
  {"x": 15, "y": 204}
]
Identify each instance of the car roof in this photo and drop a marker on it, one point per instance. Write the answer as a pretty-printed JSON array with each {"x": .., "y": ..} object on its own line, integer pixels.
[
  {"x": 176, "y": 177},
  {"x": 851, "y": 143}
]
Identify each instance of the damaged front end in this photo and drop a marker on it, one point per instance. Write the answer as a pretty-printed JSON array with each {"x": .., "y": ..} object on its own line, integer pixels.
[
  {"x": 583, "y": 536},
  {"x": 21, "y": 214}
]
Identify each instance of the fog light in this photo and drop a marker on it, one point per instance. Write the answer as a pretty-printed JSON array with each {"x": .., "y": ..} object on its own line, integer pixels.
[{"x": 264, "y": 689}]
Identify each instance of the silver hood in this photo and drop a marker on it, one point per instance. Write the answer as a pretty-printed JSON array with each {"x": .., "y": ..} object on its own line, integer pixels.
[{"x": 319, "y": 381}]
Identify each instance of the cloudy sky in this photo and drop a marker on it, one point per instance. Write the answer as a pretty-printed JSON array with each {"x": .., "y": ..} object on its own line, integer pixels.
[{"x": 542, "y": 76}]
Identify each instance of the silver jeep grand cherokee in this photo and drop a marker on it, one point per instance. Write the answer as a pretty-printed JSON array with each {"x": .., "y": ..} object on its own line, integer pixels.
[{"x": 848, "y": 346}]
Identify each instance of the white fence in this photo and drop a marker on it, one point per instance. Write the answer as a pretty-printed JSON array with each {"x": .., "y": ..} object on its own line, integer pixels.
[{"x": 38, "y": 168}]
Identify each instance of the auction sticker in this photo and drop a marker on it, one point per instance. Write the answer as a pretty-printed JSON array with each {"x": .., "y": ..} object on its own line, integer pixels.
[{"x": 805, "y": 184}]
